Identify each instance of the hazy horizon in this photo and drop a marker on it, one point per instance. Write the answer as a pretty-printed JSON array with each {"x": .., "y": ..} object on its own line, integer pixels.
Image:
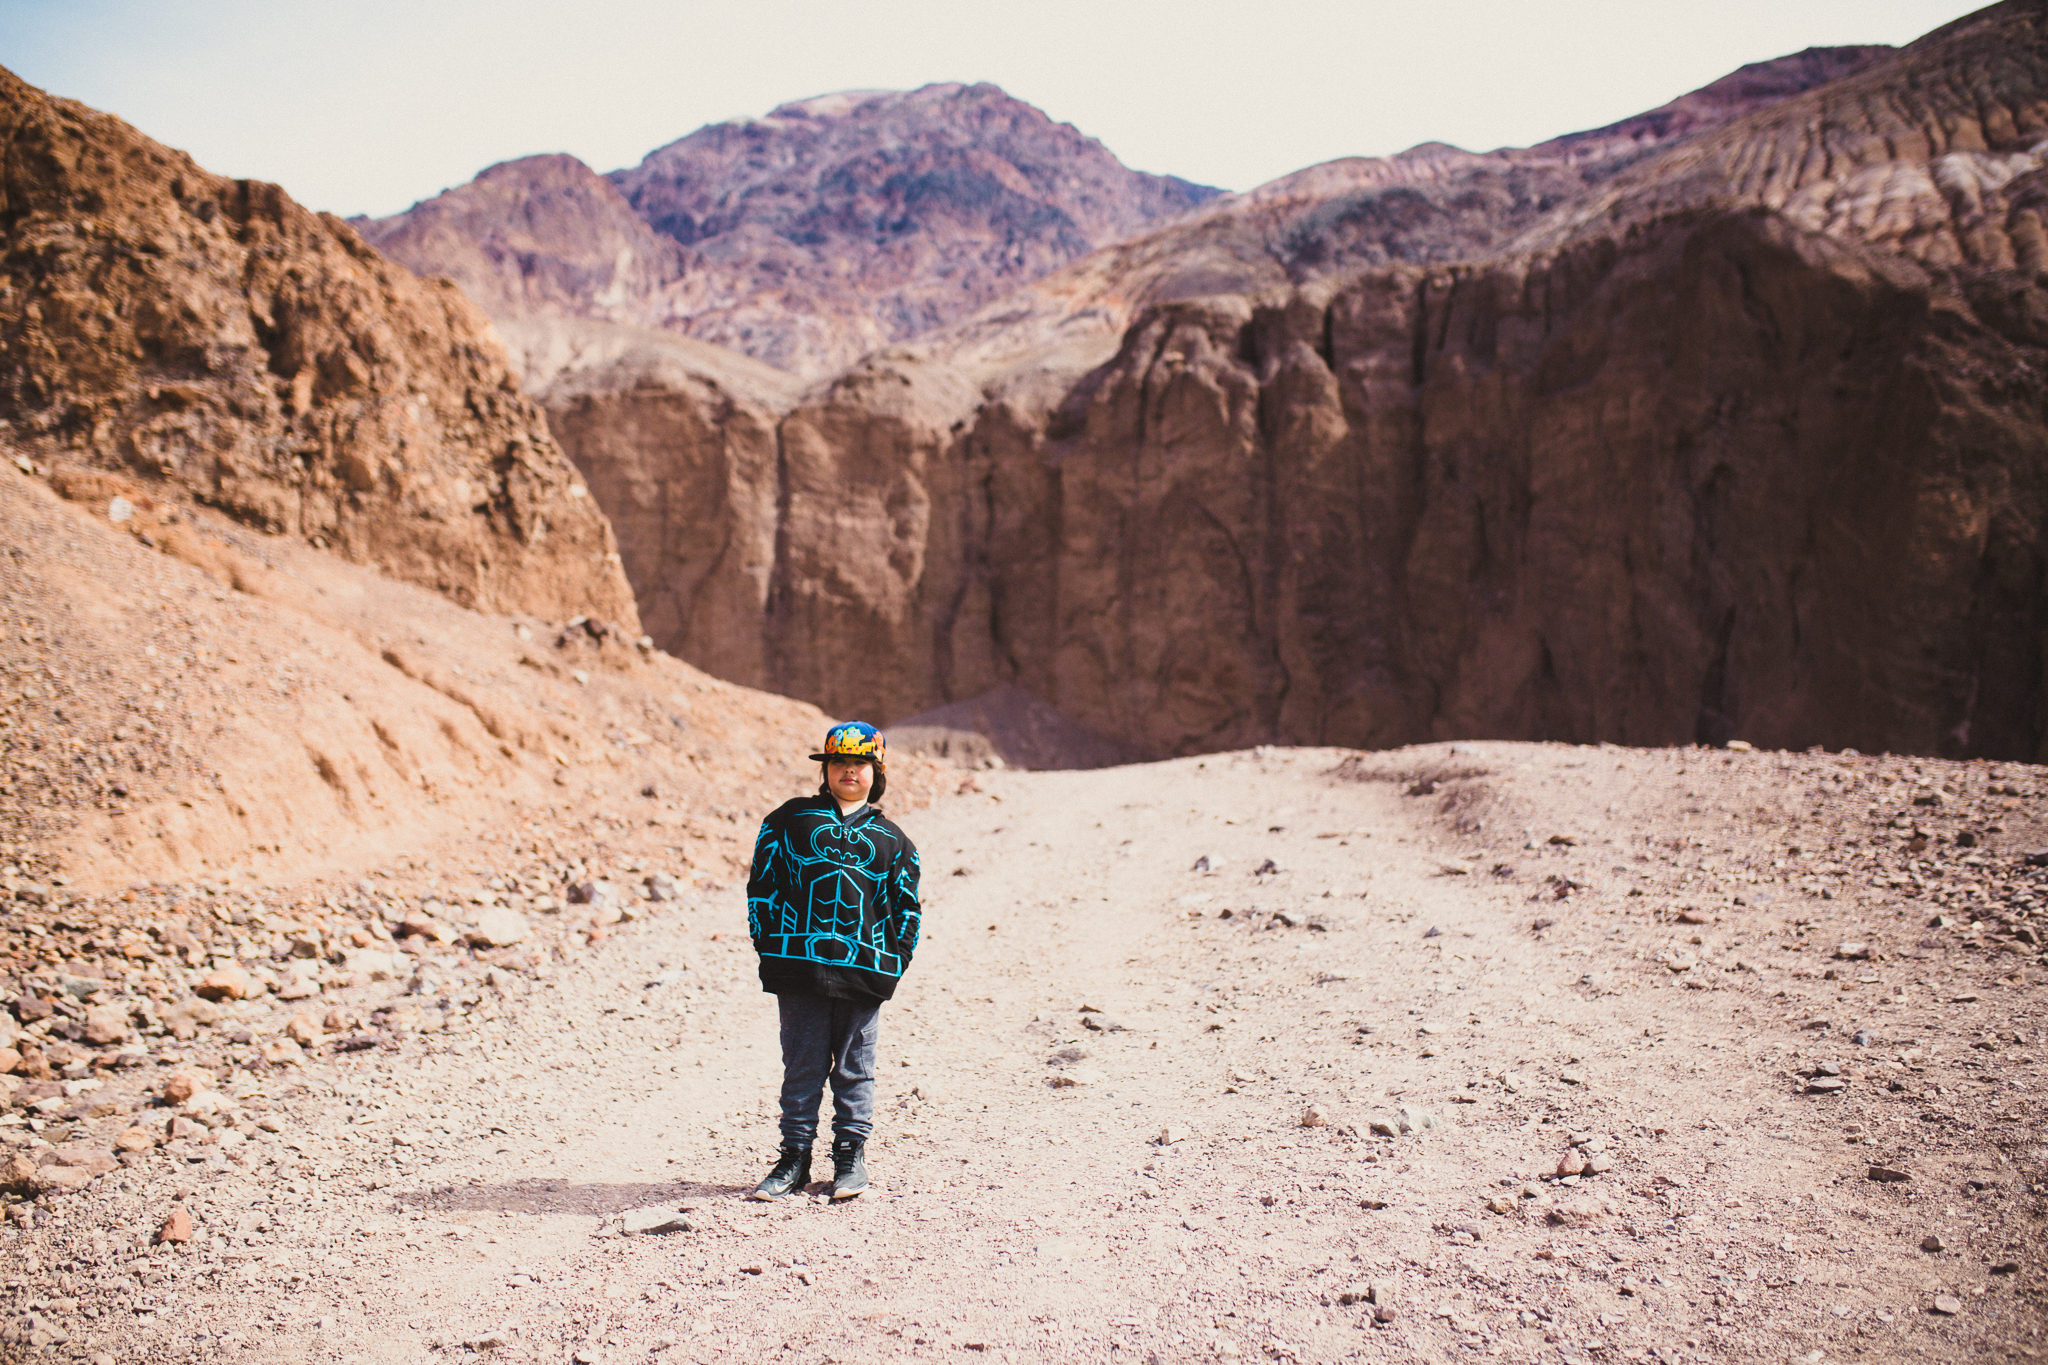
[{"x": 373, "y": 109}]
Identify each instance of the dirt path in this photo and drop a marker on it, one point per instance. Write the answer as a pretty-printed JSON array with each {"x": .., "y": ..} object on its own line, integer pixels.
[{"x": 1116, "y": 1124}]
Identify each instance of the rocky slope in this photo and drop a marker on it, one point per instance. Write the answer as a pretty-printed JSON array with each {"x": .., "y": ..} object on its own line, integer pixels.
[
  {"x": 211, "y": 339},
  {"x": 804, "y": 239},
  {"x": 213, "y": 402},
  {"x": 1734, "y": 434}
]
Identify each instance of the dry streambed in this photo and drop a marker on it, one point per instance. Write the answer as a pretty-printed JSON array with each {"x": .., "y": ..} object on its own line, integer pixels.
[{"x": 1539, "y": 1051}]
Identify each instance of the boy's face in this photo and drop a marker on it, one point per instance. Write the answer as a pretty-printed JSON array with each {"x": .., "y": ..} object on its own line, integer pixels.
[{"x": 851, "y": 779}]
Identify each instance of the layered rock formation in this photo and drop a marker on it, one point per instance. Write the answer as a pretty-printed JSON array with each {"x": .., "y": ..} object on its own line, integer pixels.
[
  {"x": 1724, "y": 422},
  {"x": 226, "y": 344},
  {"x": 804, "y": 239}
]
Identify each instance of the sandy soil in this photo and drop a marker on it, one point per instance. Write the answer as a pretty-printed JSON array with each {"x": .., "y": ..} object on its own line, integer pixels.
[{"x": 1119, "y": 1123}]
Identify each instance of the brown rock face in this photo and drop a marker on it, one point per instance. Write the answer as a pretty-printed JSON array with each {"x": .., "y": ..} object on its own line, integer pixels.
[
  {"x": 804, "y": 239},
  {"x": 227, "y": 344},
  {"x": 1716, "y": 436}
]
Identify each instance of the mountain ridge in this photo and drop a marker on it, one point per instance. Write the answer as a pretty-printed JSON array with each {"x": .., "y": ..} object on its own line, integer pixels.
[{"x": 806, "y": 238}]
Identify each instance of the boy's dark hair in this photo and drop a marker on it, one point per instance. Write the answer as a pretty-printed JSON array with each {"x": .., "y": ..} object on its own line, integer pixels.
[{"x": 874, "y": 792}]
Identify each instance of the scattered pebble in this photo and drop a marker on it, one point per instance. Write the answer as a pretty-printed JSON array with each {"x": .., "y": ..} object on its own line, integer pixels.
[{"x": 177, "y": 1228}]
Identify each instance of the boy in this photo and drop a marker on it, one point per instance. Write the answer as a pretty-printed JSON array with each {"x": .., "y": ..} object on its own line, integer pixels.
[{"x": 832, "y": 908}]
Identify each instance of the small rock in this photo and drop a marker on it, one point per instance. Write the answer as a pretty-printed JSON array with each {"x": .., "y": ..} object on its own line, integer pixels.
[
  {"x": 181, "y": 1086},
  {"x": 1382, "y": 1128},
  {"x": 303, "y": 1029},
  {"x": 419, "y": 924},
  {"x": 135, "y": 1140},
  {"x": 1500, "y": 1203},
  {"x": 1314, "y": 1118},
  {"x": 662, "y": 887},
  {"x": 1599, "y": 1164},
  {"x": 1573, "y": 1162},
  {"x": 1571, "y": 1077},
  {"x": 2006, "y": 1268},
  {"x": 54, "y": 1179},
  {"x": 498, "y": 926},
  {"x": 1932, "y": 1243},
  {"x": 377, "y": 964},
  {"x": 106, "y": 1025},
  {"x": 227, "y": 983},
  {"x": 1886, "y": 1175},
  {"x": 177, "y": 1228},
  {"x": 18, "y": 1175},
  {"x": 281, "y": 1051},
  {"x": 1828, "y": 1069},
  {"x": 84, "y": 1156},
  {"x": 1171, "y": 1134},
  {"x": 1948, "y": 1305},
  {"x": 31, "y": 1008},
  {"x": 1381, "y": 1293},
  {"x": 1853, "y": 952},
  {"x": 654, "y": 1221},
  {"x": 187, "y": 1017},
  {"x": 297, "y": 986},
  {"x": 1826, "y": 1085},
  {"x": 1101, "y": 1023}
]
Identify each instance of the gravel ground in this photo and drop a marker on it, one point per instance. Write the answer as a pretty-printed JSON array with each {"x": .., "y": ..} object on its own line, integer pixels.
[{"x": 1310, "y": 1103}]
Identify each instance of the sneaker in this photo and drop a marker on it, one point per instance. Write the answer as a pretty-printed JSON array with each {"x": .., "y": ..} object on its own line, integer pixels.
[
  {"x": 849, "y": 1168},
  {"x": 792, "y": 1172}
]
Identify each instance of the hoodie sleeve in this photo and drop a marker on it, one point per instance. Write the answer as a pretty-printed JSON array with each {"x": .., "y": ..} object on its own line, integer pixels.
[
  {"x": 906, "y": 916},
  {"x": 764, "y": 907}
]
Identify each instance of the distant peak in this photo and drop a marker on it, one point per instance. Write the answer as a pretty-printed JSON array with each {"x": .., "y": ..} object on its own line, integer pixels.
[
  {"x": 838, "y": 104},
  {"x": 845, "y": 103}
]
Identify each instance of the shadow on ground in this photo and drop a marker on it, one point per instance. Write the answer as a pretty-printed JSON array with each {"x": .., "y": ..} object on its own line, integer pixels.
[{"x": 562, "y": 1196}]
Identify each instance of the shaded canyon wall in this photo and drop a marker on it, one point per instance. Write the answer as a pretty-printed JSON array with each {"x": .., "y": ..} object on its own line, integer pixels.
[{"x": 1717, "y": 476}]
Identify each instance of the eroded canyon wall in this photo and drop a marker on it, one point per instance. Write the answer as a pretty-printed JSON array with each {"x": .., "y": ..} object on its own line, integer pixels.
[
  {"x": 1727, "y": 479},
  {"x": 1745, "y": 437},
  {"x": 218, "y": 340}
]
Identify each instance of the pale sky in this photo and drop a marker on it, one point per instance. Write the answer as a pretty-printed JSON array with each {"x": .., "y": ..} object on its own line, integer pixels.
[{"x": 365, "y": 106}]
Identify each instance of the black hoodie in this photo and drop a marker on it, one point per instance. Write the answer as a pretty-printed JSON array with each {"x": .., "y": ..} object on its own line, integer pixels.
[{"x": 832, "y": 901}]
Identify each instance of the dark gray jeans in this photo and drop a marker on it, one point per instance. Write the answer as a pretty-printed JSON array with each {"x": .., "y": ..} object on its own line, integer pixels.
[{"x": 821, "y": 1038}]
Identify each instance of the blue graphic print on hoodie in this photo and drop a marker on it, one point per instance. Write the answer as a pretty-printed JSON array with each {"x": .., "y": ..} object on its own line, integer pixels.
[{"x": 832, "y": 901}]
